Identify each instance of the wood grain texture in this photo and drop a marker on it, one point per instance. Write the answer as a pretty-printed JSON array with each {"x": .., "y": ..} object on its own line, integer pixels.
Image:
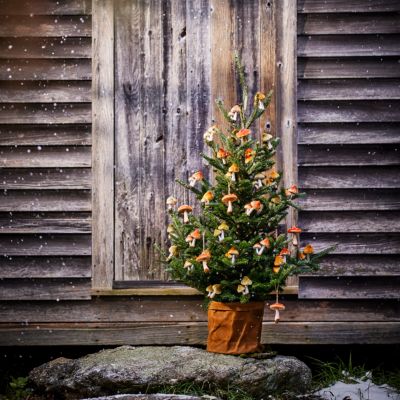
[
  {"x": 43, "y": 69},
  {"x": 45, "y": 26},
  {"x": 346, "y": 89},
  {"x": 38, "y": 134},
  {"x": 188, "y": 309},
  {"x": 349, "y": 133},
  {"x": 354, "y": 243},
  {"x": 332, "y": 199},
  {"x": 287, "y": 94},
  {"x": 45, "y": 7},
  {"x": 45, "y": 245},
  {"x": 45, "y": 92},
  {"x": 45, "y": 289},
  {"x": 103, "y": 144},
  {"x": 333, "y": 24},
  {"x": 45, "y": 267},
  {"x": 348, "y": 155},
  {"x": 45, "y": 156},
  {"x": 195, "y": 333},
  {"x": 30, "y": 48},
  {"x": 340, "y": 67},
  {"x": 55, "y": 113},
  {"x": 348, "y": 178},
  {"x": 52, "y": 178},
  {"x": 349, "y": 111},
  {"x": 45, "y": 200},
  {"x": 354, "y": 6},
  {"x": 22, "y": 222},
  {"x": 355, "y": 287}
]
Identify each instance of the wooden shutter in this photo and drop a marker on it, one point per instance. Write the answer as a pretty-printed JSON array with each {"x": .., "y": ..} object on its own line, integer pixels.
[
  {"x": 348, "y": 145},
  {"x": 45, "y": 149}
]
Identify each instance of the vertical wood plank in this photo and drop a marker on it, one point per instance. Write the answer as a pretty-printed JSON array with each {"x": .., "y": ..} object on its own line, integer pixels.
[
  {"x": 268, "y": 62},
  {"x": 287, "y": 94},
  {"x": 222, "y": 50},
  {"x": 198, "y": 82},
  {"x": 103, "y": 144},
  {"x": 127, "y": 137}
]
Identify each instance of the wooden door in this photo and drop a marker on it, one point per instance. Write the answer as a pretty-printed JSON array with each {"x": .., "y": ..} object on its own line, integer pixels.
[{"x": 172, "y": 60}]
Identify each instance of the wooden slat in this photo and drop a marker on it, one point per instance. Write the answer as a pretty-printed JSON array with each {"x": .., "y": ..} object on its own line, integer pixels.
[
  {"x": 349, "y": 178},
  {"x": 195, "y": 333},
  {"x": 56, "y": 113},
  {"x": 360, "y": 265},
  {"x": 329, "y": 199},
  {"x": 45, "y": 7},
  {"x": 349, "y": 133},
  {"x": 45, "y": 267},
  {"x": 42, "y": 69},
  {"x": 348, "y": 45},
  {"x": 350, "y": 221},
  {"x": 45, "y": 200},
  {"x": 353, "y": 6},
  {"x": 349, "y": 89},
  {"x": 45, "y": 26},
  {"x": 287, "y": 94},
  {"x": 333, "y": 24},
  {"x": 22, "y": 222},
  {"x": 45, "y": 245},
  {"x": 349, "y": 111},
  {"x": 55, "y": 178},
  {"x": 355, "y": 287},
  {"x": 45, "y": 156},
  {"x": 368, "y": 67},
  {"x": 33, "y": 135},
  {"x": 45, "y": 92},
  {"x": 103, "y": 144},
  {"x": 45, "y": 289},
  {"x": 349, "y": 155},
  {"x": 188, "y": 309},
  {"x": 355, "y": 243},
  {"x": 28, "y": 48}
]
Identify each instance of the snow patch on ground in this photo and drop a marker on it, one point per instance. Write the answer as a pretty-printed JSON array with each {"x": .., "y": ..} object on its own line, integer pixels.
[{"x": 360, "y": 389}]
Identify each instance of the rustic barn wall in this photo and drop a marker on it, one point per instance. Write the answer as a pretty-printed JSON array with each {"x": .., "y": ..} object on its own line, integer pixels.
[
  {"x": 348, "y": 149},
  {"x": 45, "y": 149}
]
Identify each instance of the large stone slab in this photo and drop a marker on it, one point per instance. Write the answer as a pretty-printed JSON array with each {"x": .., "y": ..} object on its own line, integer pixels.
[{"x": 129, "y": 369}]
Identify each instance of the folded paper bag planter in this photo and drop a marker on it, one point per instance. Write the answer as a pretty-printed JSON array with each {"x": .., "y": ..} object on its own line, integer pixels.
[{"x": 235, "y": 328}]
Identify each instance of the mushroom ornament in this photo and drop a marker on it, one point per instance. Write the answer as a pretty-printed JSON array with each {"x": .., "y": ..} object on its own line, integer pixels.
[
  {"x": 232, "y": 253},
  {"x": 277, "y": 307},
  {"x": 204, "y": 257},
  {"x": 259, "y": 180},
  {"x": 188, "y": 265},
  {"x": 209, "y": 134},
  {"x": 173, "y": 251},
  {"x": 213, "y": 290},
  {"x": 196, "y": 177},
  {"x": 233, "y": 114},
  {"x": 229, "y": 199},
  {"x": 243, "y": 288},
  {"x": 222, "y": 155},
  {"x": 171, "y": 202},
  {"x": 196, "y": 235},
  {"x": 233, "y": 169},
  {"x": 291, "y": 191},
  {"x": 207, "y": 197},
  {"x": 278, "y": 262},
  {"x": 259, "y": 100},
  {"x": 242, "y": 134},
  {"x": 249, "y": 155},
  {"x": 308, "y": 250},
  {"x": 296, "y": 232},
  {"x": 185, "y": 210},
  {"x": 222, "y": 228}
]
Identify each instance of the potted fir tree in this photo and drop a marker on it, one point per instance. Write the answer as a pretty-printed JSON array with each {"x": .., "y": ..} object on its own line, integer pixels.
[{"x": 233, "y": 252}]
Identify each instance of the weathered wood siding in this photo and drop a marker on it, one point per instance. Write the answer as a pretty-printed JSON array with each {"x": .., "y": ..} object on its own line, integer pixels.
[
  {"x": 348, "y": 147},
  {"x": 45, "y": 149},
  {"x": 172, "y": 60}
]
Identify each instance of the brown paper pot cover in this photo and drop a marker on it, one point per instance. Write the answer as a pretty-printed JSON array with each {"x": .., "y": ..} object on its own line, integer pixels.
[{"x": 234, "y": 328}]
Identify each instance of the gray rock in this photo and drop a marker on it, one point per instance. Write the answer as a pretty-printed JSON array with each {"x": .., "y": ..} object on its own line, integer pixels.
[{"x": 129, "y": 369}]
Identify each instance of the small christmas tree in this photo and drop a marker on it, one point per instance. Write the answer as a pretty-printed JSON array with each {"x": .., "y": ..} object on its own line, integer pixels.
[{"x": 233, "y": 251}]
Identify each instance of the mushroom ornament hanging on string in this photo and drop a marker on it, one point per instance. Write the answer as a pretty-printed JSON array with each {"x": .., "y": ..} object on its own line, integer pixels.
[{"x": 232, "y": 248}]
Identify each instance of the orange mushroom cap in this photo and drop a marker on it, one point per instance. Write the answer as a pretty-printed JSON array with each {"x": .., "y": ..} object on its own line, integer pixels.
[
  {"x": 243, "y": 133},
  {"x": 294, "y": 229},
  {"x": 222, "y": 153},
  {"x": 184, "y": 208},
  {"x": 196, "y": 234},
  {"x": 260, "y": 96},
  {"x": 284, "y": 252},
  {"x": 292, "y": 190},
  {"x": 232, "y": 251},
  {"x": 234, "y": 168},
  {"x": 235, "y": 109},
  {"x": 256, "y": 204},
  {"x": 265, "y": 242},
  {"x": 204, "y": 256},
  {"x": 229, "y": 197},
  {"x": 278, "y": 261},
  {"x": 308, "y": 249},
  {"x": 277, "y": 306}
]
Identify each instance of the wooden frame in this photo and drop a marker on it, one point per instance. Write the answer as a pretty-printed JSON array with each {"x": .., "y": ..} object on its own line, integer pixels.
[{"x": 280, "y": 68}]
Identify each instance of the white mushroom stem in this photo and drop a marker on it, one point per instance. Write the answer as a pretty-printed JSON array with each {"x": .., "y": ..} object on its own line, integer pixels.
[
  {"x": 230, "y": 208},
  {"x": 261, "y": 250},
  {"x": 295, "y": 240},
  {"x": 249, "y": 211},
  {"x": 205, "y": 267},
  {"x": 221, "y": 236},
  {"x": 233, "y": 177},
  {"x": 223, "y": 161},
  {"x": 185, "y": 217},
  {"x": 246, "y": 290},
  {"x": 233, "y": 259},
  {"x": 259, "y": 183},
  {"x": 192, "y": 182},
  {"x": 261, "y": 105},
  {"x": 193, "y": 243},
  {"x": 276, "y": 316}
]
